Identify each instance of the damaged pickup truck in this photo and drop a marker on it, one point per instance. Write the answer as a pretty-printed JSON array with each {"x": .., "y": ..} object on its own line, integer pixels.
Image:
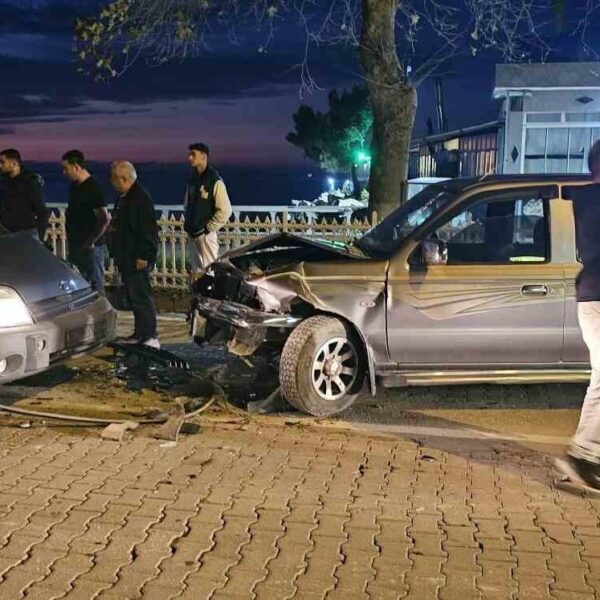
[{"x": 471, "y": 281}]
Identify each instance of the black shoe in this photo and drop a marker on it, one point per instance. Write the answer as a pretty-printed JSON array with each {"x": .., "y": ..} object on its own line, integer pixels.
[{"x": 585, "y": 471}]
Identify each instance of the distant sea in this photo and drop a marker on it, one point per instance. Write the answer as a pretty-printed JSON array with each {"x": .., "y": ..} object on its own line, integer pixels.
[{"x": 166, "y": 182}]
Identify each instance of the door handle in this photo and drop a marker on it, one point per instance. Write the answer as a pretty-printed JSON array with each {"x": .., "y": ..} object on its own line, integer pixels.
[{"x": 534, "y": 290}]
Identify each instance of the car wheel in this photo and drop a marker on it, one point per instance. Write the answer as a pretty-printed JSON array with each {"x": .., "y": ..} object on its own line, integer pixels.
[{"x": 322, "y": 369}]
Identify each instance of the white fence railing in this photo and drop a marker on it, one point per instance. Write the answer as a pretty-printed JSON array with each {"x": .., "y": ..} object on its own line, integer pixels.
[{"x": 247, "y": 224}]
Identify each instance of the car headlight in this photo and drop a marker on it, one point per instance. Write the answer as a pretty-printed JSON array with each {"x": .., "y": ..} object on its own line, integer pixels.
[{"x": 13, "y": 311}]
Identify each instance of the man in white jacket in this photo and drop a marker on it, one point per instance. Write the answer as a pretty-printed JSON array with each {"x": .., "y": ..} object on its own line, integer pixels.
[{"x": 207, "y": 208}]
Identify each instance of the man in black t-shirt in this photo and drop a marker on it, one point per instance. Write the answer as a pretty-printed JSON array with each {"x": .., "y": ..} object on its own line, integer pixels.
[{"x": 87, "y": 219}]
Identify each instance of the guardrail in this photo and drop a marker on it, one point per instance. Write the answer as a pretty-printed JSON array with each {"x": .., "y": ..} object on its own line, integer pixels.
[{"x": 247, "y": 224}]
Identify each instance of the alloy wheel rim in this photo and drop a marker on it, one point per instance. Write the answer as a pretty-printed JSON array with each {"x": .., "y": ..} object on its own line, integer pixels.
[{"x": 334, "y": 369}]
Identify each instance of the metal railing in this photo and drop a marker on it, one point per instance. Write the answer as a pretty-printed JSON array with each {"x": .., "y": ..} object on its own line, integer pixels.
[{"x": 247, "y": 224}]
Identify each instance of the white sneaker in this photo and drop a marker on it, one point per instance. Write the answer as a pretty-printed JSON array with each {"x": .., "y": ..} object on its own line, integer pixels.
[{"x": 152, "y": 343}]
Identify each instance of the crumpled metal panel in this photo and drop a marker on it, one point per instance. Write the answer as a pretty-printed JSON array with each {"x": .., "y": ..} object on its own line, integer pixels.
[{"x": 335, "y": 280}]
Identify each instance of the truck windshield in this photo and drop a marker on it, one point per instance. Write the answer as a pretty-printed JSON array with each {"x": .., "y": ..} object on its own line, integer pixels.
[{"x": 386, "y": 237}]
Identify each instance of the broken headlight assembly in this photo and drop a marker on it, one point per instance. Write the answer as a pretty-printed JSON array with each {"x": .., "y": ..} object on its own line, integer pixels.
[{"x": 226, "y": 284}]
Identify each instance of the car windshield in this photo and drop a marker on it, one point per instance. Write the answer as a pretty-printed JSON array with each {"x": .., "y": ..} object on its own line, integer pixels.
[{"x": 386, "y": 237}]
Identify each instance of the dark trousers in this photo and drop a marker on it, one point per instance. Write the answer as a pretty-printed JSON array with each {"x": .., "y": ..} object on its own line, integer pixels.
[
  {"x": 139, "y": 293},
  {"x": 90, "y": 263}
]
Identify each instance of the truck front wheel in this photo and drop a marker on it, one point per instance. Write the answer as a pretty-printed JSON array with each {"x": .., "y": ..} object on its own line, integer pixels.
[{"x": 322, "y": 366}]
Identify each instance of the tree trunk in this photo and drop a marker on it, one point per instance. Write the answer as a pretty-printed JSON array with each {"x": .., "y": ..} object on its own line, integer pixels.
[{"x": 394, "y": 103}]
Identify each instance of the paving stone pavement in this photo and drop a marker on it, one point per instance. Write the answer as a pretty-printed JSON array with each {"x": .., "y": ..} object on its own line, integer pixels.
[
  {"x": 278, "y": 507},
  {"x": 272, "y": 511}
]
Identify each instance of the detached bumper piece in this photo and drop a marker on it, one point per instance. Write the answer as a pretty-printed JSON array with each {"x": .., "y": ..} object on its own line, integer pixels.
[
  {"x": 164, "y": 357},
  {"x": 140, "y": 366}
]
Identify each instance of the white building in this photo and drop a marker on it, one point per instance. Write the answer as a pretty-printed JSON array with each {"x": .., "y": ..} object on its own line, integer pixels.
[{"x": 551, "y": 116}]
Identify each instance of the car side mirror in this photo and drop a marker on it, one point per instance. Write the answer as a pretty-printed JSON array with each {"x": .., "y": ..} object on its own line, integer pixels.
[{"x": 434, "y": 252}]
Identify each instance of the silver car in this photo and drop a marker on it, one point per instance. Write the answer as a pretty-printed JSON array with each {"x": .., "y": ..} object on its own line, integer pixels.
[
  {"x": 48, "y": 311},
  {"x": 470, "y": 281}
]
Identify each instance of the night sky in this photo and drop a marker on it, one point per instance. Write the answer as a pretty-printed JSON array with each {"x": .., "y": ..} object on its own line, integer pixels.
[{"x": 233, "y": 97}]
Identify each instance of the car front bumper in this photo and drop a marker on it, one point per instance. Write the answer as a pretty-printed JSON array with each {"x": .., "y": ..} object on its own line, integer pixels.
[
  {"x": 241, "y": 328},
  {"x": 33, "y": 348},
  {"x": 239, "y": 315}
]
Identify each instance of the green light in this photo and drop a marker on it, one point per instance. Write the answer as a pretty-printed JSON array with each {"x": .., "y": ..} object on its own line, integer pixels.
[{"x": 363, "y": 157}]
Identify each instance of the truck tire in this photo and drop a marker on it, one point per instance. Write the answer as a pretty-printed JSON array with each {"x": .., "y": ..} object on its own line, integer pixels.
[{"x": 322, "y": 366}]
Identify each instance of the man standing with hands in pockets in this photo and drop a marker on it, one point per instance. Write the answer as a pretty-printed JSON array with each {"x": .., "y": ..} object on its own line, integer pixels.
[
  {"x": 207, "y": 208},
  {"x": 133, "y": 243}
]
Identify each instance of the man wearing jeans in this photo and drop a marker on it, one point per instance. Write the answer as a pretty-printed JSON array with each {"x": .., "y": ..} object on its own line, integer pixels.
[
  {"x": 133, "y": 243},
  {"x": 87, "y": 218},
  {"x": 583, "y": 457},
  {"x": 207, "y": 208}
]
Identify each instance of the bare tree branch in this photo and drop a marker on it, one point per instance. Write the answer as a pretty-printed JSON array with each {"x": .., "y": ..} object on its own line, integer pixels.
[{"x": 159, "y": 31}]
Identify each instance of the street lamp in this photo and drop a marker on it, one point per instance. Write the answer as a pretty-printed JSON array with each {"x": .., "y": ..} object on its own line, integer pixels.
[{"x": 363, "y": 157}]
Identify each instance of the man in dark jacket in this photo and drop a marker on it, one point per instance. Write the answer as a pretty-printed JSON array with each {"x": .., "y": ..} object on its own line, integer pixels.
[
  {"x": 133, "y": 243},
  {"x": 22, "y": 206},
  {"x": 207, "y": 208}
]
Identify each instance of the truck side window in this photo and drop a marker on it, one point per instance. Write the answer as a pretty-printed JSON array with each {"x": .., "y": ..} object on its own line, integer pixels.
[{"x": 501, "y": 228}]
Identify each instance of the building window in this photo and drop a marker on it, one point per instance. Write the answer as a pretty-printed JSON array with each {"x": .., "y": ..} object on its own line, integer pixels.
[
  {"x": 543, "y": 118},
  {"x": 559, "y": 145},
  {"x": 535, "y": 150},
  {"x": 582, "y": 117},
  {"x": 516, "y": 104}
]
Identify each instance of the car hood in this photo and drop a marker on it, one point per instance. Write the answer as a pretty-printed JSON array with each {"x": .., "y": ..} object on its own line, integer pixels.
[
  {"x": 30, "y": 268},
  {"x": 284, "y": 249},
  {"x": 276, "y": 272}
]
